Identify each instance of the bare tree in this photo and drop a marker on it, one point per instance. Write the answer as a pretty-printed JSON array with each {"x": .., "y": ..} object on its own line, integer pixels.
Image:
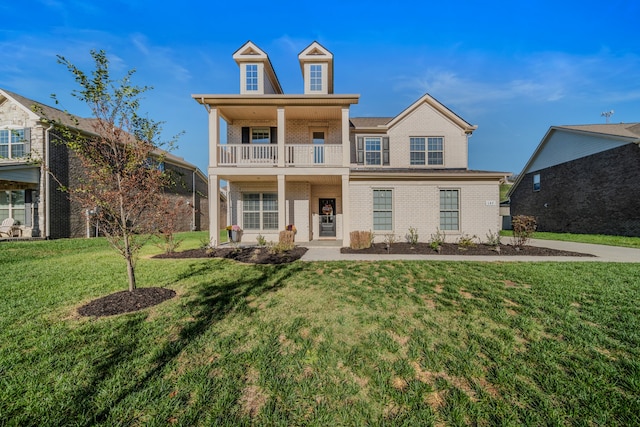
[{"x": 120, "y": 154}]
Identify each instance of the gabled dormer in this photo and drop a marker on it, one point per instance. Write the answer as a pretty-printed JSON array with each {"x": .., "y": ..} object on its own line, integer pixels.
[
  {"x": 257, "y": 76},
  {"x": 316, "y": 63}
]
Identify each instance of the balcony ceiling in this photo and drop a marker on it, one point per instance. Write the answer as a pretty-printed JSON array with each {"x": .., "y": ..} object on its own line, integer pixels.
[{"x": 249, "y": 112}]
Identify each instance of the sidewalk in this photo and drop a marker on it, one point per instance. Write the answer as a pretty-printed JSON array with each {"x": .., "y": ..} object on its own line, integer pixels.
[{"x": 601, "y": 253}]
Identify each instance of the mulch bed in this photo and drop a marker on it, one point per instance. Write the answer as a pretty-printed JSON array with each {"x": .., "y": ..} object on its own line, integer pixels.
[
  {"x": 247, "y": 254},
  {"x": 454, "y": 249},
  {"x": 126, "y": 302}
]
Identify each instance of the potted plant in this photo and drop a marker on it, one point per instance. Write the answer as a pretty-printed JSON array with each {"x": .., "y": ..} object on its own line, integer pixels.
[{"x": 236, "y": 233}]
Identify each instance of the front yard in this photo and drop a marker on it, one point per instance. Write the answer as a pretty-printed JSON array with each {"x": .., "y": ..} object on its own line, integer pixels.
[{"x": 323, "y": 343}]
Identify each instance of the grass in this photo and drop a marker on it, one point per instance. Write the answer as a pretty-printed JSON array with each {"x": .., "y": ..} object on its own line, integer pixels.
[
  {"x": 323, "y": 343},
  {"x": 598, "y": 239}
]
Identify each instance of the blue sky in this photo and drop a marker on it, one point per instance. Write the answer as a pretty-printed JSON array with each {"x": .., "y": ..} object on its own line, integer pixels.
[{"x": 512, "y": 68}]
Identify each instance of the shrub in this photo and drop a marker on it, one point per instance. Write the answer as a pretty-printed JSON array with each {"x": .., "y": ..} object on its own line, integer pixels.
[
  {"x": 465, "y": 241},
  {"x": 437, "y": 240},
  {"x": 360, "y": 239},
  {"x": 523, "y": 228},
  {"x": 493, "y": 239},
  {"x": 412, "y": 237},
  {"x": 261, "y": 240},
  {"x": 280, "y": 247}
]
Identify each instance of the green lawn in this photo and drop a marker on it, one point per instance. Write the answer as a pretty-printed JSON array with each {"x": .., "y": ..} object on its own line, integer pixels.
[
  {"x": 598, "y": 239},
  {"x": 323, "y": 343}
]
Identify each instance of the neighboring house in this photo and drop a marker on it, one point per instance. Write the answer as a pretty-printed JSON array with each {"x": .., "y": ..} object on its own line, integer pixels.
[
  {"x": 30, "y": 158},
  {"x": 302, "y": 160},
  {"x": 583, "y": 179}
]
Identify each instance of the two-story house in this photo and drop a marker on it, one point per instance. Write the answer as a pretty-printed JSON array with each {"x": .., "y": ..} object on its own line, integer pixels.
[
  {"x": 34, "y": 165},
  {"x": 300, "y": 159}
]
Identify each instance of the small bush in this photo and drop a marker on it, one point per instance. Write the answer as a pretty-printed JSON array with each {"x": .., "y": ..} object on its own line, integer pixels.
[
  {"x": 389, "y": 239},
  {"x": 465, "y": 241},
  {"x": 493, "y": 239},
  {"x": 412, "y": 237},
  {"x": 360, "y": 239},
  {"x": 523, "y": 228},
  {"x": 437, "y": 239},
  {"x": 261, "y": 240},
  {"x": 280, "y": 247}
]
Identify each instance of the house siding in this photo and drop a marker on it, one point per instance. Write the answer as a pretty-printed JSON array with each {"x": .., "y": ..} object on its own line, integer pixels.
[
  {"x": 594, "y": 194},
  {"x": 417, "y": 204},
  {"x": 425, "y": 121}
]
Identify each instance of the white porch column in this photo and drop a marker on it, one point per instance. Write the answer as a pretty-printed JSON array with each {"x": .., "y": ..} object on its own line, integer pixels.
[
  {"x": 281, "y": 137},
  {"x": 346, "y": 211},
  {"x": 214, "y": 136},
  {"x": 282, "y": 219},
  {"x": 214, "y": 209},
  {"x": 346, "y": 145}
]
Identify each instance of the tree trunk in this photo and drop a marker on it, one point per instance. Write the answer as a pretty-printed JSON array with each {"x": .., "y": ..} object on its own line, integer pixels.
[{"x": 131, "y": 274}]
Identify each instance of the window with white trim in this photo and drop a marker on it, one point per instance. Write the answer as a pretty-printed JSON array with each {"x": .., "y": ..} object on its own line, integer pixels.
[
  {"x": 315, "y": 78},
  {"x": 260, "y": 135},
  {"x": 260, "y": 211},
  {"x": 12, "y": 143},
  {"x": 251, "y": 77},
  {"x": 426, "y": 150},
  {"x": 372, "y": 150},
  {"x": 383, "y": 210},
  {"x": 12, "y": 205},
  {"x": 449, "y": 209}
]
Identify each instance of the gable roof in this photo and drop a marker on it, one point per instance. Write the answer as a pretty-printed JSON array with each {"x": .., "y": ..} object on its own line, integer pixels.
[
  {"x": 626, "y": 130},
  {"x": 623, "y": 133},
  {"x": 40, "y": 111},
  {"x": 82, "y": 124},
  {"x": 250, "y": 52},
  {"x": 315, "y": 52}
]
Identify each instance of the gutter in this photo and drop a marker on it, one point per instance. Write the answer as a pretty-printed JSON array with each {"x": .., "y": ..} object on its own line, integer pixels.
[{"x": 193, "y": 200}]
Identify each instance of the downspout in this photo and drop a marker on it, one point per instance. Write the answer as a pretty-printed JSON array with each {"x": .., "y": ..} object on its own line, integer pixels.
[
  {"x": 47, "y": 184},
  {"x": 193, "y": 201}
]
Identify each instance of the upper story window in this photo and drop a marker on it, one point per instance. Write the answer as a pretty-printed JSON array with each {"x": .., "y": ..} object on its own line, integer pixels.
[
  {"x": 536, "y": 182},
  {"x": 426, "y": 150},
  {"x": 315, "y": 78},
  {"x": 260, "y": 135},
  {"x": 252, "y": 77},
  {"x": 13, "y": 143},
  {"x": 373, "y": 150}
]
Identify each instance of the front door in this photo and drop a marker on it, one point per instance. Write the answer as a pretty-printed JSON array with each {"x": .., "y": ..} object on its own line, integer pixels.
[{"x": 327, "y": 217}]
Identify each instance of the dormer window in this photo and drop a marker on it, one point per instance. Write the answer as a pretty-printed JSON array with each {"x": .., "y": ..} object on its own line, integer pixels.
[
  {"x": 252, "y": 77},
  {"x": 316, "y": 78}
]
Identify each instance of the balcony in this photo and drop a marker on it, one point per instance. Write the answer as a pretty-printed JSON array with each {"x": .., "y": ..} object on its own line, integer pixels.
[{"x": 302, "y": 155}]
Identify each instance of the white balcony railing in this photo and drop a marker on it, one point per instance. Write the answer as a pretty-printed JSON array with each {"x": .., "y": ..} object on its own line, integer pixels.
[{"x": 295, "y": 155}]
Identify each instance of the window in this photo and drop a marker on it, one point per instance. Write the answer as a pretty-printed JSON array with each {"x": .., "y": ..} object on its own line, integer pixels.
[
  {"x": 383, "y": 210},
  {"x": 252, "y": 77},
  {"x": 449, "y": 210},
  {"x": 260, "y": 135},
  {"x": 536, "y": 182},
  {"x": 13, "y": 143},
  {"x": 372, "y": 150},
  {"x": 260, "y": 211},
  {"x": 12, "y": 205},
  {"x": 427, "y": 150},
  {"x": 315, "y": 79}
]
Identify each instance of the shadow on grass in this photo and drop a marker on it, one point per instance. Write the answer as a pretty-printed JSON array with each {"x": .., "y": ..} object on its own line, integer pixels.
[{"x": 211, "y": 301}]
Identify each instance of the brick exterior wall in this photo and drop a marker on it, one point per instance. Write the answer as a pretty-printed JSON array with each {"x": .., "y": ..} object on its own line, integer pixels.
[
  {"x": 596, "y": 194},
  {"x": 417, "y": 204}
]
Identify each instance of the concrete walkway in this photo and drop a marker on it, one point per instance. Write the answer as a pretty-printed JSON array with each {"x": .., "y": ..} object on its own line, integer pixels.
[{"x": 601, "y": 253}]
